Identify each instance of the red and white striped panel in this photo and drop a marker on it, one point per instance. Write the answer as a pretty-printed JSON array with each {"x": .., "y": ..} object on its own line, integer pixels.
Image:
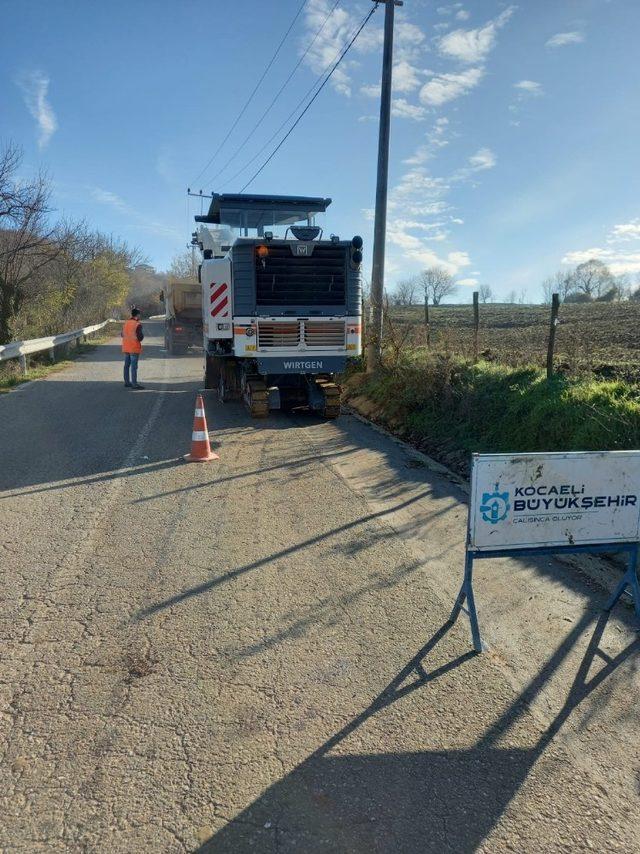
[{"x": 219, "y": 299}]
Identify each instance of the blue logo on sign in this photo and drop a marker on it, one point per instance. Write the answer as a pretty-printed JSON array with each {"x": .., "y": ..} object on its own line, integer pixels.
[{"x": 495, "y": 506}]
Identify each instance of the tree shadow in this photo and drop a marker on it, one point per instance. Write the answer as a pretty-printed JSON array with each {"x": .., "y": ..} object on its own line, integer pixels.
[{"x": 419, "y": 802}]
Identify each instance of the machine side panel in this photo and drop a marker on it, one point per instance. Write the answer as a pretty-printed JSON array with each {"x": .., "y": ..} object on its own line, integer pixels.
[
  {"x": 354, "y": 291},
  {"x": 244, "y": 291},
  {"x": 217, "y": 298}
]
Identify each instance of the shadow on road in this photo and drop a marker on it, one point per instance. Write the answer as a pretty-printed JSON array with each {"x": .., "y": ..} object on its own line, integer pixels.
[
  {"x": 419, "y": 802},
  {"x": 208, "y": 586}
]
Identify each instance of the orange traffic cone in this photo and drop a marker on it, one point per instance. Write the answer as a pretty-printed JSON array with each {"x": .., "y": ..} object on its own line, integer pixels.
[{"x": 200, "y": 448}]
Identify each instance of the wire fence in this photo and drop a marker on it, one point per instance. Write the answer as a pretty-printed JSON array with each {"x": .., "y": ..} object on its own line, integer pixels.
[{"x": 597, "y": 338}]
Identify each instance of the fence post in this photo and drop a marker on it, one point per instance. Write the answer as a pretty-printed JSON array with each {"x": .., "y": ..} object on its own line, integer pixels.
[
  {"x": 555, "y": 308},
  {"x": 427, "y": 325},
  {"x": 476, "y": 325}
]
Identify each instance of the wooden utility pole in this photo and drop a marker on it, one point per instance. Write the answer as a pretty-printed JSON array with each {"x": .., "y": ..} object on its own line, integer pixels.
[
  {"x": 555, "y": 308},
  {"x": 374, "y": 347}
]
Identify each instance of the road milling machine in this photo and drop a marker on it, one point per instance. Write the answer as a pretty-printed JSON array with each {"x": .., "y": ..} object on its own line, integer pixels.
[{"x": 282, "y": 306}]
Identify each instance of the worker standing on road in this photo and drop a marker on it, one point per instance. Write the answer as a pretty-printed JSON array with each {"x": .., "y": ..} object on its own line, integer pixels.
[{"x": 132, "y": 338}]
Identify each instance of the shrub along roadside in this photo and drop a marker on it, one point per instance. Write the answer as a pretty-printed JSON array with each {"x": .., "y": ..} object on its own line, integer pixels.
[{"x": 450, "y": 408}]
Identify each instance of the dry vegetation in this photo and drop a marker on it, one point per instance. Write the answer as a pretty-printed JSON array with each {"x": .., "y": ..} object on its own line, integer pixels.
[{"x": 601, "y": 339}]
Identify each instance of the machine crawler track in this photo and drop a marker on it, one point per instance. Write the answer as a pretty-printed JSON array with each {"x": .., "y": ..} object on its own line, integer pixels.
[
  {"x": 256, "y": 398},
  {"x": 331, "y": 396}
]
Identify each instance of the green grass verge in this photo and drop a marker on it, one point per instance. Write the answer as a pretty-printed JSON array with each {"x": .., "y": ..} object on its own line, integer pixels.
[
  {"x": 11, "y": 375},
  {"x": 448, "y": 402}
]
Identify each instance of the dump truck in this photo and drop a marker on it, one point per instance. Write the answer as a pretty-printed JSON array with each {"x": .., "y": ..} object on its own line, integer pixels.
[
  {"x": 281, "y": 304},
  {"x": 183, "y": 316}
]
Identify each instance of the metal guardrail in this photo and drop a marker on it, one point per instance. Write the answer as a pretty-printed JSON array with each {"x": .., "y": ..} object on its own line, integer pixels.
[{"x": 22, "y": 349}]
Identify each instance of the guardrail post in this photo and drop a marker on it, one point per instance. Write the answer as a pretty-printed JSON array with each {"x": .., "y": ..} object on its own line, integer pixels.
[
  {"x": 24, "y": 367},
  {"x": 52, "y": 354}
]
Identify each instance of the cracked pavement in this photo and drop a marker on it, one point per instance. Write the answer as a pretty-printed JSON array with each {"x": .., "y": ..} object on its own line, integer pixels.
[{"x": 252, "y": 654}]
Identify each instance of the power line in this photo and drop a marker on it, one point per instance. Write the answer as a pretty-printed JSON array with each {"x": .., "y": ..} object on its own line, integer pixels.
[
  {"x": 255, "y": 89},
  {"x": 292, "y": 113},
  {"x": 303, "y": 113},
  {"x": 278, "y": 93}
]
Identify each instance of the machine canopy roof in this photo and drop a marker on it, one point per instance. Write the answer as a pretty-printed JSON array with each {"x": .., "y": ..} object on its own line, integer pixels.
[{"x": 249, "y": 211}]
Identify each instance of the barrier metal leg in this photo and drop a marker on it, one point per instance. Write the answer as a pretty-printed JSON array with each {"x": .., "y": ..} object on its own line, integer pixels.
[
  {"x": 629, "y": 579},
  {"x": 466, "y": 593}
]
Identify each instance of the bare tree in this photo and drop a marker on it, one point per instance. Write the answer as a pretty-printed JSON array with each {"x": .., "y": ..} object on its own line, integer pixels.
[
  {"x": 405, "y": 292},
  {"x": 485, "y": 294},
  {"x": 511, "y": 297},
  {"x": 592, "y": 278},
  {"x": 26, "y": 243},
  {"x": 183, "y": 266},
  {"x": 560, "y": 283},
  {"x": 437, "y": 283}
]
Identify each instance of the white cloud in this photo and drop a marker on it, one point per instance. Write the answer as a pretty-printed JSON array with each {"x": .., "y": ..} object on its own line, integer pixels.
[
  {"x": 443, "y": 88},
  {"x": 462, "y": 15},
  {"x": 402, "y": 109},
  {"x": 449, "y": 10},
  {"x": 333, "y": 37},
  {"x": 625, "y": 231},
  {"x": 473, "y": 46},
  {"x": 330, "y": 35},
  {"x": 419, "y": 218},
  {"x": 106, "y": 197},
  {"x": 484, "y": 158},
  {"x": 436, "y": 139},
  {"x": 528, "y": 87},
  {"x": 367, "y": 118},
  {"x": 406, "y": 77},
  {"x": 138, "y": 220},
  {"x": 563, "y": 39},
  {"x": 415, "y": 250},
  {"x": 35, "y": 88},
  {"x": 469, "y": 282},
  {"x": 460, "y": 259},
  {"x": 619, "y": 263},
  {"x": 408, "y": 40},
  {"x": 371, "y": 90}
]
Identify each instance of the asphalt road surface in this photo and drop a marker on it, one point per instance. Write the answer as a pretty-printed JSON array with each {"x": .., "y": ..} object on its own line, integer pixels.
[{"x": 253, "y": 654}]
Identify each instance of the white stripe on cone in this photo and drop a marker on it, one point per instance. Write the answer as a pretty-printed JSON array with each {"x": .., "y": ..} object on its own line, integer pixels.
[
  {"x": 199, "y": 436},
  {"x": 199, "y": 413}
]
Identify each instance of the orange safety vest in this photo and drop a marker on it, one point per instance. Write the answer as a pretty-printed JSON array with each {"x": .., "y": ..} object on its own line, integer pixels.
[{"x": 130, "y": 343}]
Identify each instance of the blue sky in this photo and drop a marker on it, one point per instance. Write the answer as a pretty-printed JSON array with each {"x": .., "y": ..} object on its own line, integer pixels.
[{"x": 514, "y": 138}]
